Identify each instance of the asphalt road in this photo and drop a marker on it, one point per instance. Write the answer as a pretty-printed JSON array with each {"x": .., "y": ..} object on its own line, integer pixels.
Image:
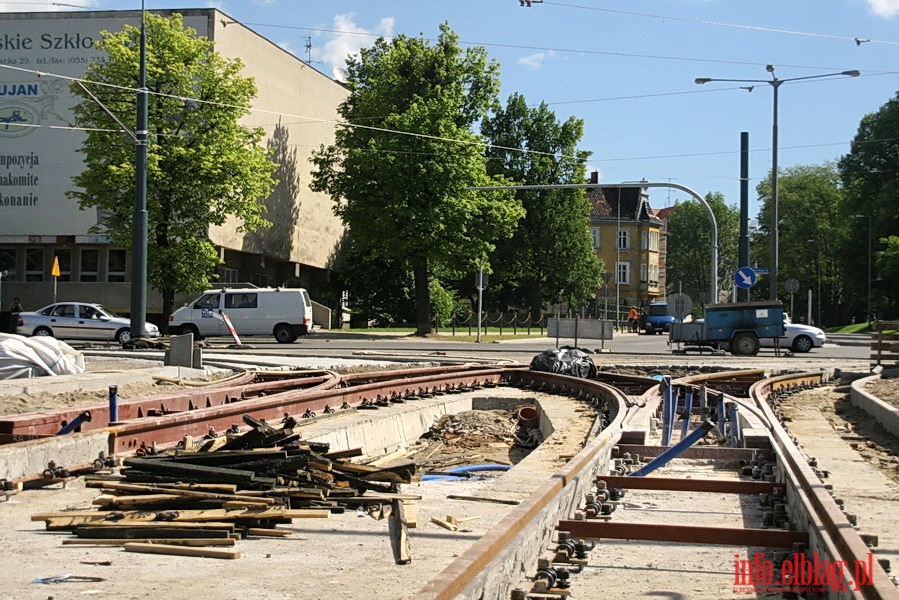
[{"x": 848, "y": 352}]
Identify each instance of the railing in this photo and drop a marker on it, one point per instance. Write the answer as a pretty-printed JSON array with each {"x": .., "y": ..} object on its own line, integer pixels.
[
  {"x": 511, "y": 323},
  {"x": 517, "y": 323},
  {"x": 885, "y": 344}
]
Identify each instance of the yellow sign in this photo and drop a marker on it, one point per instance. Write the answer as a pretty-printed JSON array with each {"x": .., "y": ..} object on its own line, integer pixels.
[{"x": 55, "y": 270}]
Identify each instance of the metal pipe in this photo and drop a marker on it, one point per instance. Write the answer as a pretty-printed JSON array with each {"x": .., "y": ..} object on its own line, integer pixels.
[
  {"x": 671, "y": 453},
  {"x": 688, "y": 409},
  {"x": 113, "y": 403},
  {"x": 666, "y": 408},
  {"x": 734, "y": 417}
]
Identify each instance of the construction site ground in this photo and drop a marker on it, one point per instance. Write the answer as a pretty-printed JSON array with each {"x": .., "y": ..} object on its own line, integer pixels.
[{"x": 350, "y": 554}]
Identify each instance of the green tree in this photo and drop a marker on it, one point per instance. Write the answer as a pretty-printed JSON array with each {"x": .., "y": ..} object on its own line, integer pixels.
[
  {"x": 810, "y": 206},
  {"x": 399, "y": 166},
  {"x": 870, "y": 174},
  {"x": 203, "y": 166},
  {"x": 688, "y": 262},
  {"x": 551, "y": 255}
]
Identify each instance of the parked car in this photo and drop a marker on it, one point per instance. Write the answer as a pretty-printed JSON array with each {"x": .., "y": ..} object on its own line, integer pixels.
[
  {"x": 79, "y": 321},
  {"x": 797, "y": 337}
]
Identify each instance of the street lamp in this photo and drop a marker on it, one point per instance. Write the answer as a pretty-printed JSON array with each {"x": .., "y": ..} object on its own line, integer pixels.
[
  {"x": 775, "y": 83},
  {"x": 139, "y": 216},
  {"x": 870, "y": 314}
]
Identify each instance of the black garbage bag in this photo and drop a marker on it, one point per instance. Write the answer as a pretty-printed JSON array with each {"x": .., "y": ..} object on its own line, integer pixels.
[{"x": 565, "y": 360}]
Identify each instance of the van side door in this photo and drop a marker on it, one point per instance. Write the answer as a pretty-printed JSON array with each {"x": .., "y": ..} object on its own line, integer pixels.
[
  {"x": 243, "y": 310},
  {"x": 205, "y": 315}
]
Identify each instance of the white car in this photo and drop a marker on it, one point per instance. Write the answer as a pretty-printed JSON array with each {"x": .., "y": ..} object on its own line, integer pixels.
[
  {"x": 798, "y": 338},
  {"x": 79, "y": 321}
]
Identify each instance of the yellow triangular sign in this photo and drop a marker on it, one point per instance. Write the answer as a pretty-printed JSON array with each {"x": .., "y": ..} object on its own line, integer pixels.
[{"x": 55, "y": 270}]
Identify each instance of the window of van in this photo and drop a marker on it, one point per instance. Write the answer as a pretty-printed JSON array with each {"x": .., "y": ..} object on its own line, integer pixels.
[
  {"x": 207, "y": 301},
  {"x": 241, "y": 300}
]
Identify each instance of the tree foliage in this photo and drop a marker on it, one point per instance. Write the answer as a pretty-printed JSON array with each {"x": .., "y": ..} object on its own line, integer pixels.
[
  {"x": 689, "y": 242},
  {"x": 551, "y": 255},
  {"x": 399, "y": 166},
  {"x": 811, "y": 225},
  {"x": 870, "y": 174},
  {"x": 203, "y": 166}
]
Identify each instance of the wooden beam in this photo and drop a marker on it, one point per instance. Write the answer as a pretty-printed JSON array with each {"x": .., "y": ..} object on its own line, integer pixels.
[{"x": 180, "y": 550}]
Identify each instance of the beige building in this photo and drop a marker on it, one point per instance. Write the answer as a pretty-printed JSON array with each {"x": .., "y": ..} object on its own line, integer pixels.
[
  {"x": 296, "y": 105},
  {"x": 630, "y": 239}
]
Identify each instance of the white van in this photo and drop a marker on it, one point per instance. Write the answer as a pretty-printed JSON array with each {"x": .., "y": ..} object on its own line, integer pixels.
[{"x": 284, "y": 313}]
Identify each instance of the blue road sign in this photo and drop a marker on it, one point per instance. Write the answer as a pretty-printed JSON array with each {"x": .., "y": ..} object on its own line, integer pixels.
[{"x": 745, "y": 277}]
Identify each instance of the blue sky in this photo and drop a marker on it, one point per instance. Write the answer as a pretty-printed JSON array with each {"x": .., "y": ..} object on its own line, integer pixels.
[{"x": 627, "y": 68}]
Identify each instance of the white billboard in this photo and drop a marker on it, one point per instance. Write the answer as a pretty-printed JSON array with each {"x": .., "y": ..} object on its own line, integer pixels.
[{"x": 38, "y": 149}]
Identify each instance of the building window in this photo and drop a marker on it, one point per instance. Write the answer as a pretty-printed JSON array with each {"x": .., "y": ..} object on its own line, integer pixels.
[
  {"x": 229, "y": 275},
  {"x": 594, "y": 233},
  {"x": 643, "y": 271},
  {"x": 262, "y": 280},
  {"x": 654, "y": 240},
  {"x": 644, "y": 240},
  {"x": 622, "y": 239},
  {"x": 90, "y": 265},
  {"x": 8, "y": 263},
  {"x": 115, "y": 266},
  {"x": 624, "y": 273},
  {"x": 34, "y": 264}
]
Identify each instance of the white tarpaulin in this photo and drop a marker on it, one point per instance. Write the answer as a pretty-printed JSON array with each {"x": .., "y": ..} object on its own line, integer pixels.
[{"x": 22, "y": 356}]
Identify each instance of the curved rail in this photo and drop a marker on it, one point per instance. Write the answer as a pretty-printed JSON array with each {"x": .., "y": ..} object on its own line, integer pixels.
[
  {"x": 830, "y": 530},
  {"x": 482, "y": 570}
]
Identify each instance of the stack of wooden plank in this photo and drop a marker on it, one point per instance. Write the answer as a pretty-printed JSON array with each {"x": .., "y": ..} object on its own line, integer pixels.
[{"x": 226, "y": 488}]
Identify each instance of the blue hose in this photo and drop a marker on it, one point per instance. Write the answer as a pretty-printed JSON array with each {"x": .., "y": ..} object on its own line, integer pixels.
[{"x": 465, "y": 469}]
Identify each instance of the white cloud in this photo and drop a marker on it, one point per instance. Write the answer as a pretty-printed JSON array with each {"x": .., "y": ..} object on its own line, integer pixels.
[
  {"x": 535, "y": 61},
  {"x": 46, "y": 6},
  {"x": 351, "y": 38},
  {"x": 884, "y": 8}
]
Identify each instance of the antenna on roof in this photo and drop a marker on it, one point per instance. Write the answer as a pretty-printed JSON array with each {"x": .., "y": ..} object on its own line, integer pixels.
[{"x": 340, "y": 74}]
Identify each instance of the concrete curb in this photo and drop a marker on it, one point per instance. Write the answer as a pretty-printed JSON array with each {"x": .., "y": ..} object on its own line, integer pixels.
[{"x": 885, "y": 414}]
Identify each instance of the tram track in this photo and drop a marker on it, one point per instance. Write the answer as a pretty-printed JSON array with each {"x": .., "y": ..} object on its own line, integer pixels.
[{"x": 773, "y": 473}]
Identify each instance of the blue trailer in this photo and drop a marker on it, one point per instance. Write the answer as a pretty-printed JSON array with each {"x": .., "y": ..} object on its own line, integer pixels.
[{"x": 736, "y": 327}]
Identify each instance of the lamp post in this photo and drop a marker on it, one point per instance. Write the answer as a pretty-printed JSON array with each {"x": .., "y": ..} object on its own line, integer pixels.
[
  {"x": 870, "y": 314},
  {"x": 139, "y": 217},
  {"x": 775, "y": 83},
  {"x": 617, "y": 265}
]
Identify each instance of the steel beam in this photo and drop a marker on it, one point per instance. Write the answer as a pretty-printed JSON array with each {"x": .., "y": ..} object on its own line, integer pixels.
[
  {"x": 702, "y": 452},
  {"x": 691, "y": 534},
  {"x": 724, "y": 486}
]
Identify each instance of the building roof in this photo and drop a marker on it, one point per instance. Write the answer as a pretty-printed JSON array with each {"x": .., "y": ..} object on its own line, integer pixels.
[{"x": 628, "y": 203}]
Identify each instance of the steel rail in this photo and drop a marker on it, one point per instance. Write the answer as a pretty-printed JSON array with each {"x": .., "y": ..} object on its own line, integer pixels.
[{"x": 826, "y": 520}]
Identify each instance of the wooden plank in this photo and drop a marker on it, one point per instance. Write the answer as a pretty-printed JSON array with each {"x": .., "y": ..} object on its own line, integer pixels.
[
  {"x": 187, "y": 493},
  {"x": 264, "y": 532},
  {"x": 180, "y": 550},
  {"x": 480, "y": 499},
  {"x": 228, "y": 541},
  {"x": 399, "y": 535},
  {"x": 351, "y": 452},
  {"x": 159, "y": 531}
]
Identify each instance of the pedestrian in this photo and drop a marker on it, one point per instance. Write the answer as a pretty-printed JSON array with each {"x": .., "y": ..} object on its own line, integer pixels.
[
  {"x": 633, "y": 319},
  {"x": 14, "y": 310}
]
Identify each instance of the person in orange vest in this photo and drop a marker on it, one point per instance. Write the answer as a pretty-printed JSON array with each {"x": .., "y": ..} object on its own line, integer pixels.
[{"x": 633, "y": 319}]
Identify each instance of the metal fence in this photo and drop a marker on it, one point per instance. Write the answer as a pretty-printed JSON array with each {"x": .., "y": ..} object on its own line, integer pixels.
[{"x": 516, "y": 323}]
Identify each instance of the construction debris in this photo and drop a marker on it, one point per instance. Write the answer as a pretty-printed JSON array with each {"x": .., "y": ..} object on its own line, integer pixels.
[{"x": 248, "y": 485}]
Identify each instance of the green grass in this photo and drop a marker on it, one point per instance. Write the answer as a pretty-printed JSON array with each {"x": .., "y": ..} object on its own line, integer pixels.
[{"x": 853, "y": 328}]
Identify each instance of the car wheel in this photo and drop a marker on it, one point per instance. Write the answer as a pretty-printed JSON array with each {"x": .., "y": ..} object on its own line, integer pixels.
[
  {"x": 284, "y": 334},
  {"x": 43, "y": 331},
  {"x": 802, "y": 343},
  {"x": 745, "y": 344},
  {"x": 123, "y": 335},
  {"x": 192, "y": 329}
]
